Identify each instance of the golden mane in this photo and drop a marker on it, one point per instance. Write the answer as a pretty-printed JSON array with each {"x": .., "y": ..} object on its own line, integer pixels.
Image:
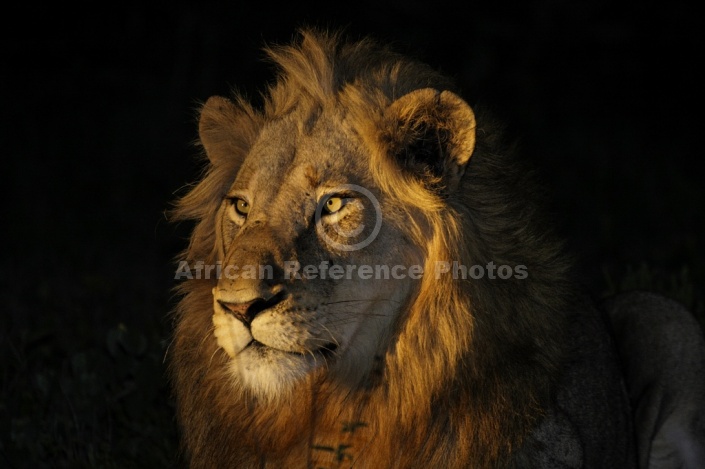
[{"x": 472, "y": 364}]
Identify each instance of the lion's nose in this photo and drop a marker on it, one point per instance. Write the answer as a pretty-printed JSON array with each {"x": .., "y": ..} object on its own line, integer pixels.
[{"x": 247, "y": 311}]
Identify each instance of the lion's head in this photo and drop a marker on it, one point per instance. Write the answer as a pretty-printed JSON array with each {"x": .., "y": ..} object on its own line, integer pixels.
[{"x": 376, "y": 267}]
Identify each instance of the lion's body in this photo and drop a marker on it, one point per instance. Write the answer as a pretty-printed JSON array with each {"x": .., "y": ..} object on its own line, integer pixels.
[{"x": 415, "y": 371}]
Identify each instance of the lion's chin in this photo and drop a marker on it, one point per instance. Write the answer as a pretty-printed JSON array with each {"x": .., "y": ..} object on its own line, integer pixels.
[{"x": 269, "y": 373}]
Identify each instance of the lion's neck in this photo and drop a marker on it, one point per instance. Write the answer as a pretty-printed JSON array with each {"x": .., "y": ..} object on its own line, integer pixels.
[{"x": 334, "y": 428}]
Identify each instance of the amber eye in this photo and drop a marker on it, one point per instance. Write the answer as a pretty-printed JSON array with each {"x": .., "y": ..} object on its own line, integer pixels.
[
  {"x": 241, "y": 206},
  {"x": 333, "y": 204}
]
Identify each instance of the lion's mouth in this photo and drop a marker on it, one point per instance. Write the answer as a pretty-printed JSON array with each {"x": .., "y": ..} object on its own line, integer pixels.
[
  {"x": 246, "y": 314},
  {"x": 326, "y": 352}
]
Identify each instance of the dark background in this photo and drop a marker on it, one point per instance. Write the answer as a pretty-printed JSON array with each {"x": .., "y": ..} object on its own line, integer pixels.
[{"x": 98, "y": 122}]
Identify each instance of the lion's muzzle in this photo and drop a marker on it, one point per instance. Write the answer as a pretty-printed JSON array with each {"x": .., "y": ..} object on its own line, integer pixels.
[{"x": 246, "y": 311}]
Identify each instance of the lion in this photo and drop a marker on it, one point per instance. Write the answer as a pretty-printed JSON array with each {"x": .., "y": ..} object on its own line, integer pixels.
[{"x": 382, "y": 288}]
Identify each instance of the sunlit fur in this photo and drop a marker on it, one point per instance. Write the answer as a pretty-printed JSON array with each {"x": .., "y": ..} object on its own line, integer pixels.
[{"x": 470, "y": 365}]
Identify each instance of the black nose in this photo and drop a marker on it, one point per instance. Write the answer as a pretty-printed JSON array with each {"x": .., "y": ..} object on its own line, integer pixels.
[{"x": 247, "y": 311}]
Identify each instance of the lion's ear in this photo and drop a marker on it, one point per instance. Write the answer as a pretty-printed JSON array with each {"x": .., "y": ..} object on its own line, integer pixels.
[
  {"x": 225, "y": 129},
  {"x": 432, "y": 133}
]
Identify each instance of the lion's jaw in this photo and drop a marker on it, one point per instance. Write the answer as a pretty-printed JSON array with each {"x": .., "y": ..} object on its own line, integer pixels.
[{"x": 337, "y": 337}]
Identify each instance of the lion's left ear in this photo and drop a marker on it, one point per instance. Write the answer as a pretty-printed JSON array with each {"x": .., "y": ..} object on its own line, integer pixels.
[{"x": 432, "y": 134}]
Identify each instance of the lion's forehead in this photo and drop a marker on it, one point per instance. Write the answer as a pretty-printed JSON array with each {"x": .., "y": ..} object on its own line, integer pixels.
[{"x": 292, "y": 162}]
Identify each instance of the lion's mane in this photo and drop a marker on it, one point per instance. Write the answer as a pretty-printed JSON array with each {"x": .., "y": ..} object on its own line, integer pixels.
[{"x": 472, "y": 364}]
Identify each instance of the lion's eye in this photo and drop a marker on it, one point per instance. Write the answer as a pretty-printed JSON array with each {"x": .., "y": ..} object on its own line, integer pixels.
[
  {"x": 333, "y": 204},
  {"x": 241, "y": 206}
]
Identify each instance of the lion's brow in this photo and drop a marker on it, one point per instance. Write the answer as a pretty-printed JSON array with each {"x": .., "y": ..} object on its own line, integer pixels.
[{"x": 312, "y": 176}]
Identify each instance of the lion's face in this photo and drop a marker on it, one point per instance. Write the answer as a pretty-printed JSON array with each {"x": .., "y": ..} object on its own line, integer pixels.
[{"x": 309, "y": 249}]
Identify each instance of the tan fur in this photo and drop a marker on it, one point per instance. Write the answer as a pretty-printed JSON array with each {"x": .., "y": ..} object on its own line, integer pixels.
[{"x": 461, "y": 370}]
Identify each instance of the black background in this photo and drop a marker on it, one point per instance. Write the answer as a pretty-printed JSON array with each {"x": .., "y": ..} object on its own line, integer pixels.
[{"x": 98, "y": 120}]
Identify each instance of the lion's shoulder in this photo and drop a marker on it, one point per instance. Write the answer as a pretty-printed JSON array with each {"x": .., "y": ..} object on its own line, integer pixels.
[{"x": 662, "y": 350}]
